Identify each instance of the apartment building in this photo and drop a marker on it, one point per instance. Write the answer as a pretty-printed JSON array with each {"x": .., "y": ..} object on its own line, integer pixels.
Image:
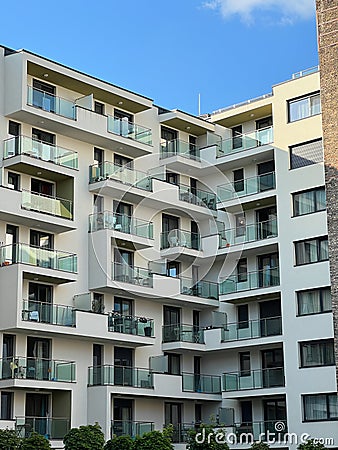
[{"x": 158, "y": 267}]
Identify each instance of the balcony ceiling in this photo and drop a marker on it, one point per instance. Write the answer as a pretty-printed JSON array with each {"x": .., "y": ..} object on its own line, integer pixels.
[
  {"x": 236, "y": 116},
  {"x": 184, "y": 122},
  {"x": 112, "y": 98}
]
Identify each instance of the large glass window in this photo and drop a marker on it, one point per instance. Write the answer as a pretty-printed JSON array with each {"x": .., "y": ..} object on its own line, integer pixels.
[
  {"x": 306, "y": 154},
  {"x": 314, "y": 301},
  {"x": 320, "y": 407},
  {"x": 312, "y": 250},
  {"x": 308, "y": 202},
  {"x": 317, "y": 353},
  {"x": 303, "y": 107}
]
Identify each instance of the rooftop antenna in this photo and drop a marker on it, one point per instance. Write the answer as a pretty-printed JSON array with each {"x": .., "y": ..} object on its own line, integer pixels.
[{"x": 199, "y": 104}]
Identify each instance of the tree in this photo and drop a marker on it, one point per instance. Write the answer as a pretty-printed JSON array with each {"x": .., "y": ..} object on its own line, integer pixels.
[
  {"x": 120, "y": 443},
  {"x": 35, "y": 442},
  {"x": 86, "y": 437},
  {"x": 9, "y": 440},
  {"x": 311, "y": 445},
  {"x": 207, "y": 437},
  {"x": 155, "y": 440},
  {"x": 260, "y": 446}
]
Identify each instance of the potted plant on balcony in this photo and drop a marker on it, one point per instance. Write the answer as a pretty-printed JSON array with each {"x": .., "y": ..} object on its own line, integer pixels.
[{"x": 148, "y": 331}]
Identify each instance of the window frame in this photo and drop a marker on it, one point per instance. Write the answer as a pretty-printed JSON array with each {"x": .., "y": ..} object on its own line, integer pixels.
[
  {"x": 326, "y": 395},
  {"x": 321, "y": 303},
  {"x": 299, "y": 144},
  {"x": 318, "y": 240},
  {"x": 317, "y": 342},
  {"x": 314, "y": 190},
  {"x": 300, "y": 98}
]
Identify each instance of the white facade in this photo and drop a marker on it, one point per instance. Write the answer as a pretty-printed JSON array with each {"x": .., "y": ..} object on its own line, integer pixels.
[{"x": 163, "y": 288}]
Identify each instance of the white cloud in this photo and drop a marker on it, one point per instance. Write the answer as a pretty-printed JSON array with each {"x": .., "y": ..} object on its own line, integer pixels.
[{"x": 288, "y": 10}]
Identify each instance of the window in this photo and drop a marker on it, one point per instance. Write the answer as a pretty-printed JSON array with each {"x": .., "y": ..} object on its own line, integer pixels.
[
  {"x": 172, "y": 178},
  {"x": 244, "y": 364},
  {"x": 242, "y": 270},
  {"x": 123, "y": 306},
  {"x": 303, "y": 107},
  {"x": 99, "y": 108},
  {"x": 314, "y": 301},
  {"x": 174, "y": 363},
  {"x": 308, "y": 202},
  {"x": 13, "y": 181},
  {"x": 317, "y": 353},
  {"x": 6, "y": 406},
  {"x": 240, "y": 224},
  {"x": 320, "y": 407},
  {"x": 307, "y": 153},
  {"x": 98, "y": 303},
  {"x": 238, "y": 180},
  {"x": 14, "y": 128},
  {"x": 243, "y": 316},
  {"x": 312, "y": 250},
  {"x": 237, "y": 139}
]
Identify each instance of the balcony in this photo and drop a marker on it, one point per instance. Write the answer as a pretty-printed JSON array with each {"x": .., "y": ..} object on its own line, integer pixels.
[
  {"x": 248, "y": 233},
  {"x": 51, "y": 103},
  {"x": 205, "y": 384},
  {"x": 252, "y": 329},
  {"x": 197, "y": 197},
  {"x": 39, "y": 257},
  {"x": 254, "y": 379},
  {"x": 247, "y": 187},
  {"x": 122, "y": 223},
  {"x": 26, "y": 368},
  {"x": 260, "y": 279},
  {"x": 132, "y": 275},
  {"x": 139, "y": 326},
  {"x": 108, "y": 375},
  {"x": 180, "y": 238},
  {"x": 49, "y": 313},
  {"x": 203, "y": 288},
  {"x": 177, "y": 147},
  {"x": 130, "y": 428},
  {"x": 240, "y": 143},
  {"x": 51, "y": 427},
  {"x": 182, "y": 333},
  {"x": 259, "y": 430},
  {"x": 46, "y": 204},
  {"x": 39, "y": 150},
  {"x": 129, "y": 130}
]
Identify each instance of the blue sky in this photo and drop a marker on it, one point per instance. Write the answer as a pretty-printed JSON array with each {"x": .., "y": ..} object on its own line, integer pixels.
[{"x": 226, "y": 50}]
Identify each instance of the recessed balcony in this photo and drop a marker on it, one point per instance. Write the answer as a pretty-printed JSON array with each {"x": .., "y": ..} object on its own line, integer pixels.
[
  {"x": 139, "y": 326},
  {"x": 109, "y": 375},
  {"x": 36, "y": 151},
  {"x": 51, "y": 103},
  {"x": 252, "y": 329},
  {"x": 205, "y": 384},
  {"x": 182, "y": 333},
  {"x": 260, "y": 185},
  {"x": 259, "y": 430},
  {"x": 52, "y": 427},
  {"x": 130, "y": 428},
  {"x": 203, "y": 288},
  {"x": 198, "y": 197},
  {"x": 123, "y": 227},
  {"x": 48, "y": 313},
  {"x": 129, "y": 130},
  {"x": 46, "y": 204},
  {"x": 254, "y": 379},
  {"x": 41, "y": 369},
  {"x": 176, "y": 243},
  {"x": 248, "y": 233},
  {"x": 242, "y": 142},
  {"x": 177, "y": 147},
  {"x": 260, "y": 279},
  {"x": 132, "y": 275}
]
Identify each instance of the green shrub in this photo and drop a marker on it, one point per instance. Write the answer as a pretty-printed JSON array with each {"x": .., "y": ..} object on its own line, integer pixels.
[
  {"x": 35, "y": 442},
  {"x": 9, "y": 440},
  {"x": 202, "y": 442},
  {"x": 260, "y": 446},
  {"x": 154, "y": 440},
  {"x": 120, "y": 443},
  {"x": 310, "y": 445},
  {"x": 86, "y": 437}
]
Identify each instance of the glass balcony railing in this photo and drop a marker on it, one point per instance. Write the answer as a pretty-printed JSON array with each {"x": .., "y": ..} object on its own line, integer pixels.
[
  {"x": 251, "y": 329},
  {"x": 251, "y": 280},
  {"x": 34, "y": 311},
  {"x": 51, "y": 427},
  {"x": 129, "y": 130},
  {"x": 109, "y": 220},
  {"x": 246, "y": 141},
  {"x": 132, "y": 274},
  {"x": 248, "y": 233},
  {"x": 32, "y": 368},
  {"x": 47, "y": 204},
  {"x": 122, "y": 174},
  {"x": 248, "y": 186},
  {"x": 176, "y": 147},
  {"x": 203, "y": 288},
  {"x": 51, "y": 103},
  {"x": 130, "y": 428},
  {"x": 24, "y": 145},
  {"x": 197, "y": 197},
  {"x": 38, "y": 256},
  {"x": 206, "y": 384},
  {"x": 139, "y": 326},
  {"x": 254, "y": 379},
  {"x": 120, "y": 376},
  {"x": 182, "y": 333},
  {"x": 259, "y": 430},
  {"x": 180, "y": 238}
]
